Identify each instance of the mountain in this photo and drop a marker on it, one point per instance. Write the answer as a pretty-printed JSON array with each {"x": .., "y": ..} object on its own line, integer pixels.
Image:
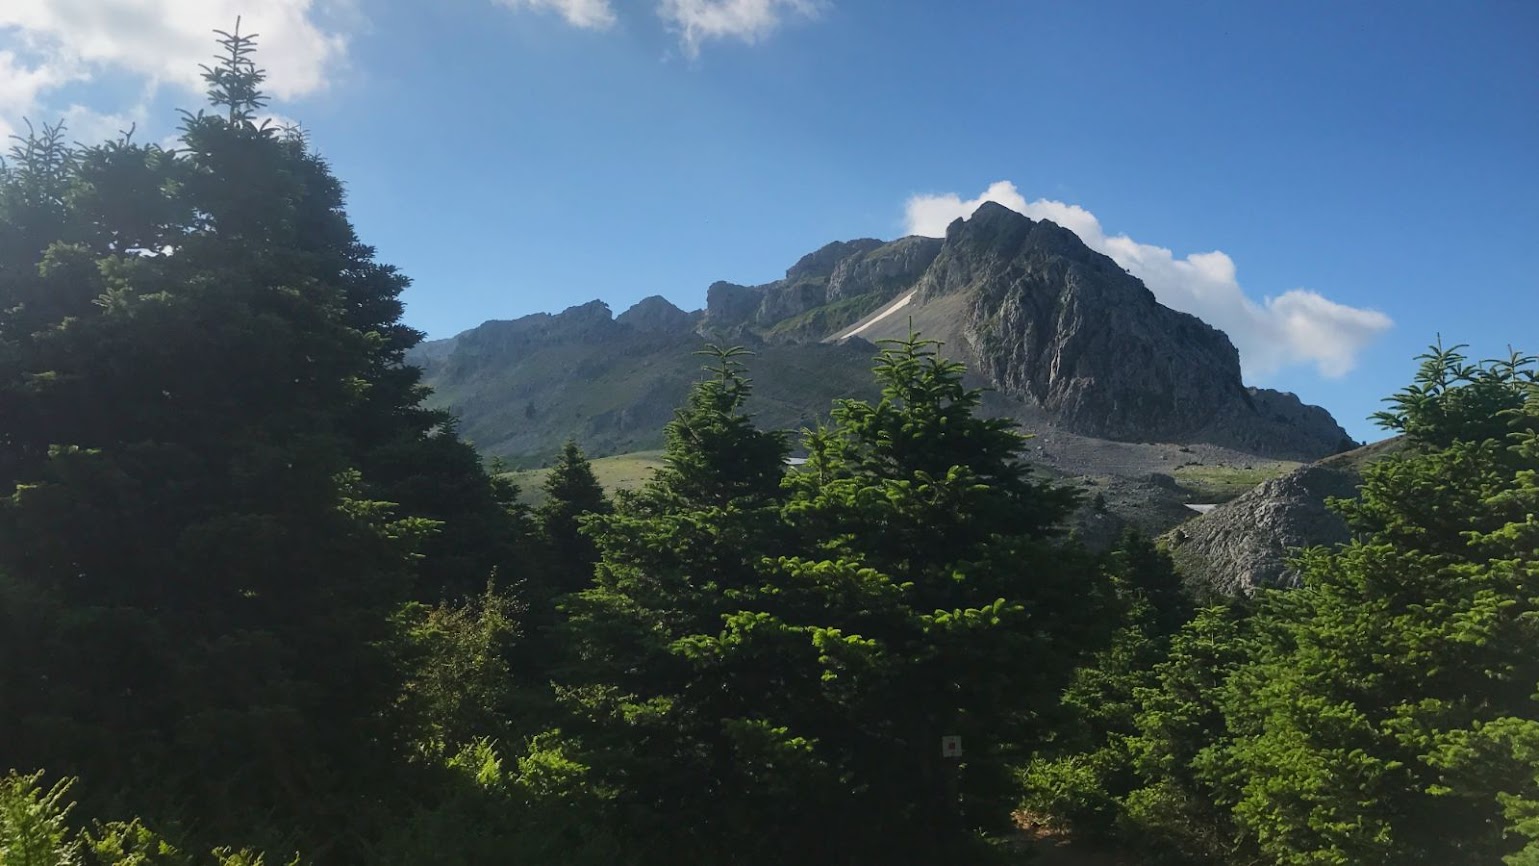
[
  {"x": 1069, "y": 341},
  {"x": 1068, "y": 332},
  {"x": 1138, "y": 404}
]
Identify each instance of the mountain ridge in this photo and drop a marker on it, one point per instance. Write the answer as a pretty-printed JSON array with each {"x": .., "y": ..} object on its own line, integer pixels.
[{"x": 1067, "y": 339}]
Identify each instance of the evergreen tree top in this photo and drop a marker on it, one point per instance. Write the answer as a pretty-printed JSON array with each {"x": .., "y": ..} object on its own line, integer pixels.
[
  {"x": 926, "y": 431},
  {"x": 1452, "y": 399},
  {"x": 571, "y": 484},
  {"x": 235, "y": 82},
  {"x": 714, "y": 453}
]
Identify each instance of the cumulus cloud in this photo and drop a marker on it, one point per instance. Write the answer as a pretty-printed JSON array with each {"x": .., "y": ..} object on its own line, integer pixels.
[
  {"x": 46, "y": 44},
  {"x": 22, "y": 83},
  {"x": 89, "y": 125},
  {"x": 699, "y": 21},
  {"x": 593, "y": 14},
  {"x": 1299, "y": 326},
  {"x": 695, "y": 21}
]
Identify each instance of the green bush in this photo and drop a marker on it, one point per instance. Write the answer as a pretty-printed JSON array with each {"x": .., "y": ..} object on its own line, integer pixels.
[{"x": 35, "y": 830}]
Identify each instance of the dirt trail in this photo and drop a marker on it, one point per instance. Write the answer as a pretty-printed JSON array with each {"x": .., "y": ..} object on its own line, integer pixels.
[
  {"x": 1062, "y": 852},
  {"x": 1052, "y": 848}
]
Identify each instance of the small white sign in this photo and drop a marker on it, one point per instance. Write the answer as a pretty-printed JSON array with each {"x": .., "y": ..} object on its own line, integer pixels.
[{"x": 951, "y": 747}]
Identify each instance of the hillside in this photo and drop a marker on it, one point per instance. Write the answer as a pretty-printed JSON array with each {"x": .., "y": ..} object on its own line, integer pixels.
[
  {"x": 1244, "y": 544},
  {"x": 616, "y": 472},
  {"x": 522, "y": 388}
]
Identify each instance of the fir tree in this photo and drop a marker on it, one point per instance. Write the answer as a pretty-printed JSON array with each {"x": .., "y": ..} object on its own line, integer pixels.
[
  {"x": 218, "y": 482},
  {"x": 675, "y": 559},
  {"x": 1384, "y": 713},
  {"x": 795, "y": 651},
  {"x": 572, "y": 492},
  {"x": 1377, "y": 725}
]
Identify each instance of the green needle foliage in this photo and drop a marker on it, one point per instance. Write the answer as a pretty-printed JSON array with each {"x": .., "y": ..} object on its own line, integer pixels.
[
  {"x": 217, "y": 485},
  {"x": 793, "y": 647},
  {"x": 1387, "y": 715},
  {"x": 572, "y": 493},
  {"x": 1388, "y": 711}
]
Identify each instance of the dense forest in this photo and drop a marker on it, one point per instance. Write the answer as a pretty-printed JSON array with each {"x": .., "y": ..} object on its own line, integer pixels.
[{"x": 258, "y": 604}]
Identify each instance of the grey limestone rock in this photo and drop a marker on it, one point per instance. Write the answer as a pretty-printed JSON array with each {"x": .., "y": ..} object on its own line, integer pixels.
[
  {"x": 887, "y": 269},
  {"x": 1051, "y": 321},
  {"x": 655, "y": 313},
  {"x": 1245, "y": 544},
  {"x": 728, "y": 304}
]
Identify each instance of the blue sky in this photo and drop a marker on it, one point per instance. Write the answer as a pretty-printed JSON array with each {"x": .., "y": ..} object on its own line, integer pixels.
[{"x": 1369, "y": 172}]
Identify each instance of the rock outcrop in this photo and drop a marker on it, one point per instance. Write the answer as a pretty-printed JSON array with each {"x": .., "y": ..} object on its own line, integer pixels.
[
  {"x": 884, "y": 271},
  {"x": 1049, "y": 320},
  {"x": 820, "y": 264},
  {"x": 826, "y": 289},
  {"x": 655, "y": 313},
  {"x": 1245, "y": 544},
  {"x": 728, "y": 304}
]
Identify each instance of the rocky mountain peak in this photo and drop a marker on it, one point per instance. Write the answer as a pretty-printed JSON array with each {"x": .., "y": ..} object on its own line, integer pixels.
[
  {"x": 728, "y": 304},
  {"x": 656, "y": 313},
  {"x": 821, "y": 262},
  {"x": 592, "y": 312},
  {"x": 995, "y": 239},
  {"x": 1052, "y": 322}
]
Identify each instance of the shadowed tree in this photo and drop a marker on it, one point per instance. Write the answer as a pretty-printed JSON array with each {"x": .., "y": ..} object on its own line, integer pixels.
[
  {"x": 572, "y": 492},
  {"x": 218, "y": 483}
]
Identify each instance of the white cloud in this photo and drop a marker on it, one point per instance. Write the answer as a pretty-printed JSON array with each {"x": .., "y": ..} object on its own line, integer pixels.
[
  {"x": 695, "y": 21},
  {"x": 46, "y": 44},
  {"x": 1297, "y": 327},
  {"x": 91, "y": 126},
  {"x": 748, "y": 20},
  {"x": 21, "y": 83},
  {"x": 593, "y": 14}
]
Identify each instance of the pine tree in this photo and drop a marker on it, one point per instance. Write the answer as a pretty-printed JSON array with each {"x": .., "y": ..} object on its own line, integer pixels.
[
  {"x": 1180, "y": 807},
  {"x": 1081, "y": 779},
  {"x": 1384, "y": 713},
  {"x": 572, "y": 492},
  {"x": 795, "y": 646},
  {"x": 218, "y": 483},
  {"x": 1369, "y": 726},
  {"x": 676, "y": 558},
  {"x": 942, "y": 571}
]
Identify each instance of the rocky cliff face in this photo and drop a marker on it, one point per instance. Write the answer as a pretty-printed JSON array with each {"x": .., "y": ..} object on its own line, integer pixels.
[
  {"x": 656, "y": 314},
  {"x": 820, "y": 264},
  {"x": 1048, "y": 320},
  {"x": 885, "y": 270},
  {"x": 728, "y": 304},
  {"x": 1244, "y": 544},
  {"x": 1052, "y": 321},
  {"x": 839, "y": 282}
]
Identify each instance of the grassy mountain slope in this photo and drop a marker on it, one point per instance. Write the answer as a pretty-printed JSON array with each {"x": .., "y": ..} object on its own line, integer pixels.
[{"x": 520, "y": 392}]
